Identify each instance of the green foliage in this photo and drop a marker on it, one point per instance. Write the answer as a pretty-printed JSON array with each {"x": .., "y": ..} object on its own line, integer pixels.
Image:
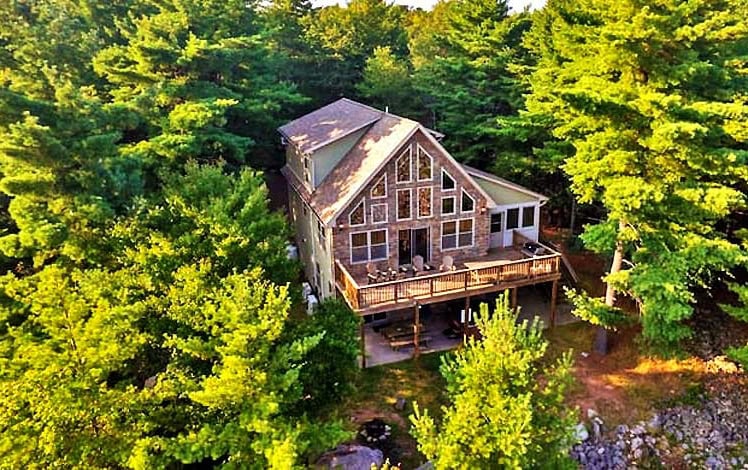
[
  {"x": 464, "y": 54},
  {"x": 387, "y": 83},
  {"x": 179, "y": 351},
  {"x": 341, "y": 39},
  {"x": 652, "y": 98},
  {"x": 201, "y": 79},
  {"x": 739, "y": 311},
  {"x": 507, "y": 406},
  {"x": 594, "y": 310},
  {"x": 331, "y": 366}
]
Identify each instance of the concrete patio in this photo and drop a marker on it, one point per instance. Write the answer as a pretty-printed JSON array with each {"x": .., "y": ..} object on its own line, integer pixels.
[{"x": 532, "y": 301}]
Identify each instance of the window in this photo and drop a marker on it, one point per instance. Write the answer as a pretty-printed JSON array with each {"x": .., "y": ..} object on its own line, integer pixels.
[
  {"x": 465, "y": 233},
  {"x": 368, "y": 246},
  {"x": 358, "y": 215},
  {"x": 403, "y": 204},
  {"x": 321, "y": 235},
  {"x": 403, "y": 167},
  {"x": 496, "y": 223},
  {"x": 379, "y": 189},
  {"x": 468, "y": 203},
  {"x": 528, "y": 216},
  {"x": 512, "y": 218},
  {"x": 457, "y": 234},
  {"x": 448, "y": 183},
  {"x": 448, "y": 205},
  {"x": 307, "y": 171},
  {"x": 378, "y": 213},
  {"x": 359, "y": 247},
  {"x": 424, "y": 165},
  {"x": 424, "y": 202}
]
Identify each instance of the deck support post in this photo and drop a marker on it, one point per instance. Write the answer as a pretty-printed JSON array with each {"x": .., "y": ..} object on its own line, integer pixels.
[
  {"x": 467, "y": 319},
  {"x": 363, "y": 344},
  {"x": 514, "y": 299},
  {"x": 554, "y": 294},
  {"x": 416, "y": 329}
]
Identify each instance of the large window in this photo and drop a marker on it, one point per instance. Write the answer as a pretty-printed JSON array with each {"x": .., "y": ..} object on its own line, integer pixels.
[
  {"x": 425, "y": 163},
  {"x": 528, "y": 216},
  {"x": 403, "y": 167},
  {"x": 358, "y": 215},
  {"x": 448, "y": 205},
  {"x": 457, "y": 234},
  {"x": 468, "y": 203},
  {"x": 512, "y": 218},
  {"x": 368, "y": 246},
  {"x": 378, "y": 213},
  {"x": 424, "y": 202},
  {"x": 448, "y": 183},
  {"x": 380, "y": 188},
  {"x": 403, "y": 204}
]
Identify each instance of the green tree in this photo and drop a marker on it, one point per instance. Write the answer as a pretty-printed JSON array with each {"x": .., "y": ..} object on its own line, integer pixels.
[
  {"x": 464, "y": 65},
  {"x": 387, "y": 83},
  {"x": 179, "y": 351},
  {"x": 341, "y": 39},
  {"x": 652, "y": 97},
  {"x": 202, "y": 81},
  {"x": 507, "y": 403}
]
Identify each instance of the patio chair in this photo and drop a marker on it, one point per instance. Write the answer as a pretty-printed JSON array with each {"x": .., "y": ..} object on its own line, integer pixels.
[
  {"x": 372, "y": 273},
  {"x": 418, "y": 263},
  {"x": 448, "y": 264}
]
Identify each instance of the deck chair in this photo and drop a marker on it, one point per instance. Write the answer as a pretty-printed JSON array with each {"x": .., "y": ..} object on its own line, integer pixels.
[
  {"x": 418, "y": 263},
  {"x": 372, "y": 273},
  {"x": 448, "y": 264}
]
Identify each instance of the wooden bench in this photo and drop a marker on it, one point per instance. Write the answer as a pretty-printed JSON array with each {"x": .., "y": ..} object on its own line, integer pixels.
[{"x": 405, "y": 342}]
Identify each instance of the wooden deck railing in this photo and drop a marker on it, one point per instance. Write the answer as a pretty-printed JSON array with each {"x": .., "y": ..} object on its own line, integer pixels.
[{"x": 405, "y": 291}]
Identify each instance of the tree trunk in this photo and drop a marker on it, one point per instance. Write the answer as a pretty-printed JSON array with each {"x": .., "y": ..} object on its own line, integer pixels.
[
  {"x": 573, "y": 220},
  {"x": 601, "y": 338}
]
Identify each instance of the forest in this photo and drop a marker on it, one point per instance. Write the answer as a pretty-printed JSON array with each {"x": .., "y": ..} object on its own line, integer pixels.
[{"x": 148, "y": 309}]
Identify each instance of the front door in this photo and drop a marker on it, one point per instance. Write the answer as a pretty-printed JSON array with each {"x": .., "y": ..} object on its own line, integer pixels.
[
  {"x": 413, "y": 242},
  {"x": 497, "y": 234}
]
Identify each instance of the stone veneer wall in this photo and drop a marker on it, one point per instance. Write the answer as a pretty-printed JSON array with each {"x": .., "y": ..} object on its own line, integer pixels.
[{"x": 341, "y": 233}]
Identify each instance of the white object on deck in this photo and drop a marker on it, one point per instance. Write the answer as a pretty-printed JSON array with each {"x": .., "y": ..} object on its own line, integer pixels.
[
  {"x": 292, "y": 252},
  {"x": 311, "y": 304}
]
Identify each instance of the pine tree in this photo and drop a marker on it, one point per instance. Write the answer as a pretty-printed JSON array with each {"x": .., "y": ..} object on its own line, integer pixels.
[
  {"x": 652, "y": 97},
  {"x": 506, "y": 405}
]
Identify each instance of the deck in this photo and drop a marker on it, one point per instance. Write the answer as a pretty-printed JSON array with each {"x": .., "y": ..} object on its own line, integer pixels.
[{"x": 497, "y": 271}]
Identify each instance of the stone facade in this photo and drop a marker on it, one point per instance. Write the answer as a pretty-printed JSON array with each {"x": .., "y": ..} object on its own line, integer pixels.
[{"x": 342, "y": 231}]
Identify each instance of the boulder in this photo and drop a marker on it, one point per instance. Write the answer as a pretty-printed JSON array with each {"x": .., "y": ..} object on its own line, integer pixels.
[{"x": 351, "y": 457}]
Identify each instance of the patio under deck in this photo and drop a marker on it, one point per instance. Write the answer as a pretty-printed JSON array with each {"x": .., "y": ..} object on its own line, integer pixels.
[{"x": 532, "y": 301}]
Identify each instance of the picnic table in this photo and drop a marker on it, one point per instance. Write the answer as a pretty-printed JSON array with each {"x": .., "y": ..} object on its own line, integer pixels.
[
  {"x": 398, "y": 328},
  {"x": 409, "y": 340}
]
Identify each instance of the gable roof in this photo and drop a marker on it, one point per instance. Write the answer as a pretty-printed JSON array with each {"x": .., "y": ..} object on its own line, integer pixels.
[
  {"x": 328, "y": 124},
  {"x": 360, "y": 164},
  {"x": 503, "y": 192}
]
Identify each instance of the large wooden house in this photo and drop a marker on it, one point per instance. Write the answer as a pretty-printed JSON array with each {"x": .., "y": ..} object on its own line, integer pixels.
[{"x": 386, "y": 218}]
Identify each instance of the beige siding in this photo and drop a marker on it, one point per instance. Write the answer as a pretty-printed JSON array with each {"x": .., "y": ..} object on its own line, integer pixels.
[
  {"x": 311, "y": 250},
  {"x": 327, "y": 157}
]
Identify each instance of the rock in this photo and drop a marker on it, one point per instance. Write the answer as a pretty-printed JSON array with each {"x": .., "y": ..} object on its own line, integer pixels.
[
  {"x": 427, "y": 466},
  {"x": 150, "y": 382},
  {"x": 351, "y": 457},
  {"x": 597, "y": 429},
  {"x": 400, "y": 403},
  {"x": 636, "y": 443},
  {"x": 581, "y": 433},
  {"x": 654, "y": 425},
  {"x": 591, "y": 413}
]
